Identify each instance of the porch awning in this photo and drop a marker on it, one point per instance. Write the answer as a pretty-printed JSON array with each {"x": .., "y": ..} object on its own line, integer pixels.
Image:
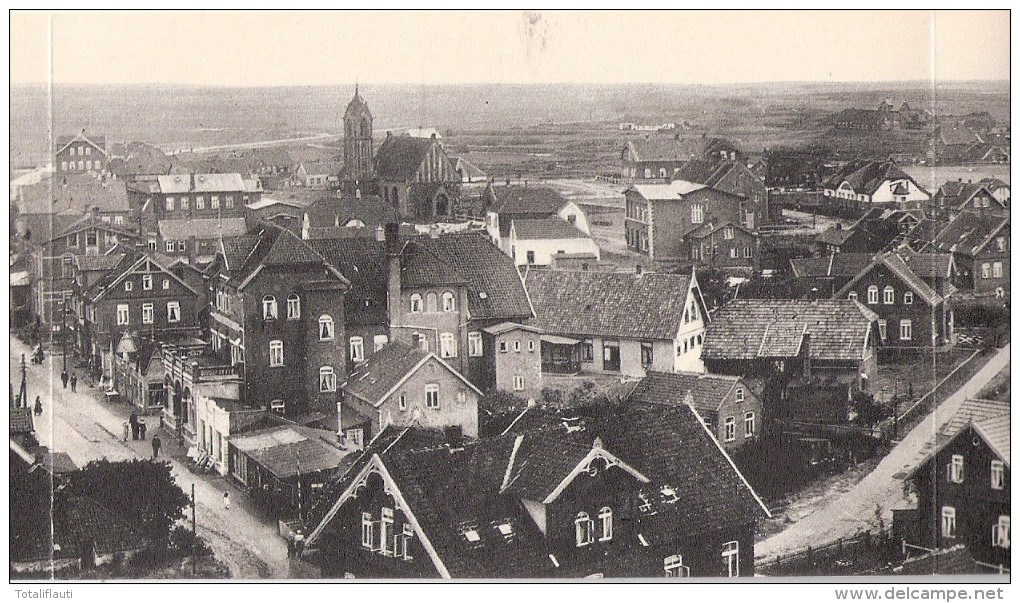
[{"x": 557, "y": 340}]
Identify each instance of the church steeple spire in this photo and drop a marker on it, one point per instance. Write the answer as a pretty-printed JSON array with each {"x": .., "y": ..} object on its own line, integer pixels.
[{"x": 358, "y": 147}]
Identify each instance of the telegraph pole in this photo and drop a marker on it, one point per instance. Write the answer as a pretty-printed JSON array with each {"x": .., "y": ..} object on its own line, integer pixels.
[
  {"x": 194, "y": 531},
  {"x": 23, "y": 393}
]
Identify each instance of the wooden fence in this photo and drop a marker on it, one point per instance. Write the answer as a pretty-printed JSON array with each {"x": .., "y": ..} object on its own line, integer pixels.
[{"x": 852, "y": 555}]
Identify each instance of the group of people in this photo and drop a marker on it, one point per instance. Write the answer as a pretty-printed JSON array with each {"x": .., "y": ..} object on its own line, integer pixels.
[{"x": 72, "y": 379}]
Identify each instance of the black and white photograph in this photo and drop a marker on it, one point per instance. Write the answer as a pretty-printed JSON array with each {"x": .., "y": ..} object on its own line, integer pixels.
[{"x": 715, "y": 298}]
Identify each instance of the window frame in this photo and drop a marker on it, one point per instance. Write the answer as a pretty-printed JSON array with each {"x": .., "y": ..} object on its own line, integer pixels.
[
  {"x": 730, "y": 429},
  {"x": 475, "y": 344},
  {"x": 123, "y": 312},
  {"x": 908, "y": 298},
  {"x": 173, "y": 311},
  {"x": 731, "y": 558},
  {"x": 749, "y": 424},
  {"x": 449, "y": 302},
  {"x": 148, "y": 312},
  {"x": 327, "y": 379},
  {"x": 906, "y": 330},
  {"x": 417, "y": 305},
  {"x": 584, "y": 528},
  {"x": 873, "y": 295},
  {"x": 293, "y": 306},
  {"x": 276, "y": 349},
  {"x": 447, "y": 345},
  {"x": 432, "y": 396},
  {"x": 948, "y": 522},
  {"x": 605, "y": 517},
  {"x": 270, "y": 311},
  {"x": 356, "y": 345},
  {"x": 519, "y": 383},
  {"x": 326, "y": 320},
  {"x": 955, "y": 469},
  {"x": 997, "y": 470},
  {"x": 888, "y": 296}
]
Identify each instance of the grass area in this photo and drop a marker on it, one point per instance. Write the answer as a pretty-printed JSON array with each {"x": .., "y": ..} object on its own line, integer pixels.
[
  {"x": 915, "y": 372},
  {"x": 998, "y": 389}
]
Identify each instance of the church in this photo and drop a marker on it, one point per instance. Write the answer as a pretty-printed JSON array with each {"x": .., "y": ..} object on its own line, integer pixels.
[{"x": 414, "y": 175}]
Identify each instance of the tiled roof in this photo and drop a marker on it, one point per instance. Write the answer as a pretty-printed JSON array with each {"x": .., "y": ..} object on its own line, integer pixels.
[
  {"x": 270, "y": 246},
  {"x": 973, "y": 409},
  {"x": 968, "y": 233},
  {"x": 866, "y": 176},
  {"x": 201, "y": 228},
  {"x": 55, "y": 462},
  {"x": 995, "y": 431},
  {"x": 21, "y": 420},
  {"x": 708, "y": 391},
  {"x": 546, "y": 229},
  {"x": 97, "y": 140},
  {"x": 648, "y": 306},
  {"x": 290, "y": 450},
  {"x": 809, "y": 267},
  {"x": 363, "y": 263},
  {"x": 469, "y": 169},
  {"x": 897, "y": 266},
  {"x": 399, "y": 157},
  {"x": 927, "y": 265},
  {"x": 958, "y": 194},
  {"x": 420, "y": 267},
  {"x": 835, "y": 235},
  {"x": 81, "y": 193},
  {"x": 529, "y": 201},
  {"x": 745, "y": 328},
  {"x": 89, "y": 263},
  {"x": 373, "y": 379},
  {"x": 371, "y": 210},
  {"x": 542, "y": 462},
  {"x": 91, "y": 220},
  {"x": 673, "y": 191},
  {"x": 954, "y": 561},
  {"x": 198, "y": 183},
  {"x": 671, "y": 148}
]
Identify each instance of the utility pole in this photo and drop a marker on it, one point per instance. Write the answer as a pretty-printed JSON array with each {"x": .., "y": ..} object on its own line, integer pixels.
[
  {"x": 23, "y": 393},
  {"x": 194, "y": 531},
  {"x": 63, "y": 332}
]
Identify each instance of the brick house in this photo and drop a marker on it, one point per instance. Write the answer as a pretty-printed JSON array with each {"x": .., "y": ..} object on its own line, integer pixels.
[
  {"x": 615, "y": 323},
  {"x": 980, "y": 246},
  {"x": 658, "y": 158},
  {"x": 728, "y": 406},
  {"x": 646, "y": 492},
  {"x": 80, "y": 153},
  {"x": 734, "y": 177},
  {"x": 723, "y": 246},
  {"x": 977, "y": 197},
  {"x": 191, "y": 196},
  {"x": 402, "y": 385},
  {"x": 911, "y": 313},
  {"x": 963, "y": 487}
]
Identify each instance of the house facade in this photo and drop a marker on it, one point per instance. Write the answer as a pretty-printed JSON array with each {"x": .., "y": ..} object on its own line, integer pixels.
[
  {"x": 733, "y": 177},
  {"x": 862, "y": 183},
  {"x": 537, "y": 242},
  {"x": 416, "y": 176},
  {"x": 724, "y": 246},
  {"x": 981, "y": 250},
  {"x": 80, "y": 153},
  {"x": 658, "y": 158}
]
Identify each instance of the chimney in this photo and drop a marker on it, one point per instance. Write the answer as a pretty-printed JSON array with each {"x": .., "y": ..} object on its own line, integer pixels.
[
  {"x": 393, "y": 303},
  {"x": 807, "y": 354},
  {"x": 380, "y": 234}
]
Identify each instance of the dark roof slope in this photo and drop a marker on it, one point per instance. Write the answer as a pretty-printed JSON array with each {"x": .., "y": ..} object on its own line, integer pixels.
[
  {"x": 968, "y": 233},
  {"x": 399, "y": 157},
  {"x": 674, "y": 148},
  {"x": 708, "y": 391},
  {"x": 897, "y": 266},
  {"x": 363, "y": 263},
  {"x": 546, "y": 228},
  {"x": 648, "y": 306},
  {"x": 77, "y": 193},
  {"x": 382, "y": 372}
]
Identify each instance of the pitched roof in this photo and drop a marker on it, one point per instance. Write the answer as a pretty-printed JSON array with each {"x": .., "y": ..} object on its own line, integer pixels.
[
  {"x": 363, "y": 262},
  {"x": 375, "y": 379},
  {"x": 269, "y": 245},
  {"x": 674, "y": 191},
  {"x": 201, "y": 228},
  {"x": 75, "y": 193},
  {"x": 835, "y": 235},
  {"x": 331, "y": 212},
  {"x": 928, "y": 265},
  {"x": 995, "y": 431},
  {"x": 707, "y": 390},
  {"x": 631, "y": 306},
  {"x": 199, "y": 183},
  {"x": 91, "y": 220},
  {"x": 96, "y": 140},
  {"x": 866, "y": 176},
  {"x": 90, "y": 263},
  {"x": 968, "y": 233},
  {"x": 677, "y": 148},
  {"x": 528, "y": 200},
  {"x": 955, "y": 560},
  {"x": 81, "y": 519},
  {"x": 973, "y": 409},
  {"x": 399, "y": 157},
  {"x": 469, "y": 169},
  {"x": 552, "y": 228},
  {"x": 21, "y": 420},
  {"x": 762, "y": 328},
  {"x": 958, "y": 194},
  {"x": 290, "y": 450},
  {"x": 897, "y": 266}
]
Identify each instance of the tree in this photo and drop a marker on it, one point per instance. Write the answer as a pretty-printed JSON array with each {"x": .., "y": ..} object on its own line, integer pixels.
[{"x": 142, "y": 492}]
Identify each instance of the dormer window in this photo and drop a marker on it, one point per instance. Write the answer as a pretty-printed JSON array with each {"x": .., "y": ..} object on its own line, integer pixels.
[
  {"x": 471, "y": 535},
  {"x": 584, "y": 529}
]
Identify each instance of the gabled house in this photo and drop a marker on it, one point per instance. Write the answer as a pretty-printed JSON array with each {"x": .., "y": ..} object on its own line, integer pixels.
[
  {"x": 535, "y": 242},
  {"x": 727, "y": 405},
  {"x": 416, "y": 177},
  {"x": 963, "y": 488},
  {"x": 821, "y": 277},
  {"x": 646, "y": 492},
  {"x": 190, "y": 196},
  {"x": 723, "y": 246},
  {"x": 658, "y": 158},
  {"x": 911, "y": 313},
  {"x": 871, "y": 233},
  {"x": 955, "y": 197},
  {"x": 403, "y": 385},
  {"x": 325, "y": 218},
  {"x": 499, "y": 206},
  {"x": 319, "y": 175},
  {"x": 615, "y": 323},
  {"x": 195, "y": 240},
  {"x": 80, "y": 153},
  {"x": 137, "y": 371},
  {"x": 980, "y": 246},
  {"x": 732, "y": 177},
  {"x": 468, "y": 171},
  {"x": 998, "y": 188},
  {"x": 865, "y": 182}
]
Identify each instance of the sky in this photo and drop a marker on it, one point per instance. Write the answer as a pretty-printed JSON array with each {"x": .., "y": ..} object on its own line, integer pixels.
[{"x": 226, "y": 48}]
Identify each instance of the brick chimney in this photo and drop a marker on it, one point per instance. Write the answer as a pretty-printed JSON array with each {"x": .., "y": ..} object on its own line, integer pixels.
[{"x": 394, "y": 307}]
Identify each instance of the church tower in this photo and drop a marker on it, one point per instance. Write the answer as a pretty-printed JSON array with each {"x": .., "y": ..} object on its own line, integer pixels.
[{"x": 358, "y": 148}]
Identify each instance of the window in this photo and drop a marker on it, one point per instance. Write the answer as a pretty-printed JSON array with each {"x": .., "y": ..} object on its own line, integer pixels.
[
  {"x": 356, "y": 438},
  {"x": 908, "y": 298},
  {"x": 415, "y": 303},
  {"x": 906, "y": 330},
  {"x": 402, "y": 402},
  {"x": 98, "y": 165},
  {"x": 531, "y": 257},
  {"x": 325, "y": 328},
  {"x": 517, "y": 345},
  {"x": 147, "y": 314},
  {"x": 229, "y": 200},
  {"x": 647, "y": 354},
  {"x": 461, "y": 397},
  {"x": 728, "y": 233},
  {"x": 152, "y": 244},
  {"x": 998, "y": 475},
  {"x": 985, "y": 270},
  {"x": 128, "y": 285},
  {"x": 71, "y": 151},
  {"x": 449, "y": 303},
  {"x": 748, "y": 424},
  {"x": 648, "y": 172},
  {"x": 199, "y": 202},
  {"x": 166, "y": 284},
  {"x": 293, "y": 306},
  {"x": 1001, "y": 243},
  {"x": 169, "y": 203},
  {"x": 276, "y": 353},
  {"x": 173, "y": 311},
  {"x": 873, "y": 294},
  {"x": 733, "y": 253},
  {"x": 147, "y": 282},
  {"x": 447, "y": 345},
  {"x": 431, "y": 303},
  {"x": 948, "y": 522},
  {"x": 122, "y": 314},
  {"x": 889, "y": 296},
  {"x": 367, "y": 531},
  {"x": 269, "y": 308},
  {"x": 606, "y": 520},
  {"x": 955, "y": 469},
  {"x": 181, "y": 246},
  {"x": 739, "y": 395},
  {"x": 184, "y": 203},
  {"x": 379, "y": 341},
  {"x": 583, "y": 529},
  {"x": 504, "y": 346},
  {"x": 72, "y": 240},
  {"x": 731, "y": 558},
  {"x": 731, "y": 429},
  {"x": 852, "y": 296},
  {"x": 697, "y": 213},
  {"x": 518, "y": 383},
  {"x": 1000, "y": 532},
  {"x": 385, "y": 529},
  {"x": 674, "y": 567},
  {"x": 531, "y": 345},
  {"x": 357, "y": 349},
  {"x": 997, "y": 270},
  {"x": 432, "y": 395},
  {"x": 474, "y": 344},
  {"x": 883, "y": 328},
  {"x": 588, "y": 350},
  {"x": 747, "y": 252},
  {"x": 327, "y": 379},
  {"x": 88, "y": 150}
]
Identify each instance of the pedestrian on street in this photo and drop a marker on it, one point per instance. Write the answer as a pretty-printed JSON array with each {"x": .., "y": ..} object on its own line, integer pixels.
[
  {"x": 226, "y": 501},
  {"x": 63, "y": 378},
  {"x": 38, "y": 405},
  {"x": 134, "y": 426},
  {"x": 127, "y": 430},
  {"x": 155, "y": 446},
  {"x": 74, "y": 382},
  {"x": 141, "y": 429}
]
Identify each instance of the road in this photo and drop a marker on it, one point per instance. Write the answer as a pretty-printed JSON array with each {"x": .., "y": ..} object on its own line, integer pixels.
[
  {"x": 87, "y": 429},
  {"x": 883, "y": 487}
]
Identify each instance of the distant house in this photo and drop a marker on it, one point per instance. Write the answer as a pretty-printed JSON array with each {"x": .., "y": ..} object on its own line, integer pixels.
[
  {"x": 318, "y": 175},
  {"x": 402, "y": 385},
  {"x": 723, "y": 246},
  {"x": 659, "y": 157},
  {"x": 195, "y": 240},
  {"x": 646, "y": 492},
  {"x": 811, "y": 354},
  {"x": 80, "y": 153},
  {"x": 614, "y": 323},
  {"x": 137, "y": 159},
  {"x": 138, "y": 371},
  {"x": 963, "y": 487},
  {"x": 867, "y": 182},
  {"x": 731, "y": 177},
  {"x": 468, "y": 171},
  {"x": 535, "y": 242},
  {"x": 911, "y": 313},
  {"x": 323, "y": 218},
  {"x": 870, "y": 234},
  {"x": 998, "y": 188},
  {"x": 193, "y": 195},
  {"x": 501, "y": 205},
  {"x": 981, "y": 250},
  {"x": 417, "y": 177},
  {"x": 823, "y": 276},
  {"x": 728, "y": 406},
  {"x": 955, "y": 197}
]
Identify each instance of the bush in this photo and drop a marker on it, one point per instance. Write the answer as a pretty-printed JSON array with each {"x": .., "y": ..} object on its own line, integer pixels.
[{"x": 981, "y": 315}]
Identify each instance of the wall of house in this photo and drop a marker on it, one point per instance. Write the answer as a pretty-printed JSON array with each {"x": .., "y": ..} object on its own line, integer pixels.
[
  {"x": 716, "y": 251},
  {"x": 91, "y": 157},
  {"x": 687, "y": 354},
  {"x": 978, "y": 506},
  {"x": 432, "y": 324},
  {"x": 738, "y": 410},
  {"x": 919, "y": 313},
  {"x": 637, "y": 223},
  {"x": 213, "y": 430},
  {"x": 741, "y": 181},
  {"x": 451, "y": 410},
  {"x": 884, "y": 193},
  {"x": 544, "y": 249},
  {"x": 526, "y": 363},
  {"x": 991, "y": 255}
]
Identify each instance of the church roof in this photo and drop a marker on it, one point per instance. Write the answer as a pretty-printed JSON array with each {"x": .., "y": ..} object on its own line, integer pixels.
[
  {"x": 357, "y": 106},
  {"x": 399, "y": 157}
]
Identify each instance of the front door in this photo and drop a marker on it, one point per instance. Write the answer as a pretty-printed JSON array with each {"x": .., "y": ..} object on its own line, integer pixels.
[{"x": 611, "y": 356}]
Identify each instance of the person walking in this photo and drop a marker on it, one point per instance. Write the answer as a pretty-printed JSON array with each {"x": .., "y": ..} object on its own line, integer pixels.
[
  {"x": 127, "y": 430},
  {"x": 155, "y": 446},
  {"x": 74, "y": 382},
  {"x": 38, "y": 405},
  {"x": 63, "y": 378},
  {"x": 226, "y": 501},
  {"x": 134, "y": 426},
  {"x": 141, "y": 429}
]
